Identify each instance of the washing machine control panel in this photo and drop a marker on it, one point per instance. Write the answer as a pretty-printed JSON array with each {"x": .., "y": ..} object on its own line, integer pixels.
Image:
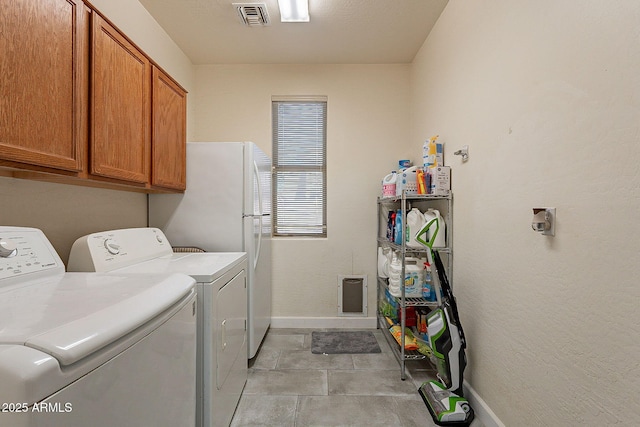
[
  {"x": 112, "y": 246},
  {"x": 7, "y": 248},
  {"x": 26, "y": 251},
  {"x": 110, "y": 250}
]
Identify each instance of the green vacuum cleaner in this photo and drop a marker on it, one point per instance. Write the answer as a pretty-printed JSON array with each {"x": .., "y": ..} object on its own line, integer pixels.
[{"x": 444, "y": 398}]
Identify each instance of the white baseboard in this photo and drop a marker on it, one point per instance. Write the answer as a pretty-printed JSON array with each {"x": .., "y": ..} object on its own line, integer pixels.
[
  {"x": 482, "y": 411},
  {"x": 324, "y": 322}
]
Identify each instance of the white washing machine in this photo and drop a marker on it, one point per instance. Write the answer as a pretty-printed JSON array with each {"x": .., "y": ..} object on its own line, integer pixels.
[
  {"x": 221, "y": 283},
  {"x": 90, "y": 349}
]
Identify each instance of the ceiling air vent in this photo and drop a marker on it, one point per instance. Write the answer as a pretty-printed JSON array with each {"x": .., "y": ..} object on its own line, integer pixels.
[{"x": 253, "y": 14}]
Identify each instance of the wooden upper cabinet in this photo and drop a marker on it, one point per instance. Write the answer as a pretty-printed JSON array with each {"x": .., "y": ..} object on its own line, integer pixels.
[
  {"x": 79, "y": 101},
  {"x": 120, "y": 106},
  {"x": 43, "y": 79},
  {"x": 169, "y": 121}
]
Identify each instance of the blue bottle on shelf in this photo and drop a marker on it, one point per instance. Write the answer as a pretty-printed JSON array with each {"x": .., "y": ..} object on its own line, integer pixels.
[
  {"x": 391, "y": 223},
  {"x": 397, "y": 239}
]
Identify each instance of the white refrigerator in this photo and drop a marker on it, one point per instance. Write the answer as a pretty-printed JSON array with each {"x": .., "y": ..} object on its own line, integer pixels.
[{"x": 226, "y": 208}]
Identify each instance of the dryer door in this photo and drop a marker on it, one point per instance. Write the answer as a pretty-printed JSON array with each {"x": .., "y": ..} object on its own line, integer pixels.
[{"x": 231, "y": 316}]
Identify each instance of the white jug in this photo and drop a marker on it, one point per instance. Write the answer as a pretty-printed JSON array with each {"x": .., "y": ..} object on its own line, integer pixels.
[
  {"x": 395, "y": 273},
  {"x": 389, "y": 184},
  {"x": 440, "y": 241},
  {"x": 413, "y": 277},
  {"x": 384, "y": 258},
  {"x": 415, "y": 221}
]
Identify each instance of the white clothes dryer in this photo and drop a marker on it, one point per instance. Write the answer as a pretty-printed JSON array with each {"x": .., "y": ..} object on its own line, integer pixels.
[
  {"x": 221, "y": 282},
  {"x": 80, "y": 349}
]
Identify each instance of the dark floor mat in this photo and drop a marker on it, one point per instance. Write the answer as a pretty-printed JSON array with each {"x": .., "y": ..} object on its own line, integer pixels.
[{"x": 344, "y": 342}]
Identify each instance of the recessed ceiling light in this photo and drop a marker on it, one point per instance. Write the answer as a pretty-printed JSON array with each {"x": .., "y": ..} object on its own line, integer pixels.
[{"x": 294, "y": 10}]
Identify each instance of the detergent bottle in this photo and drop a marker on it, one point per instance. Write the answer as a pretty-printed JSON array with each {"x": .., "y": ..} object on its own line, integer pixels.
[
  {"x": 391, "y": 222},
  {"x": 415, "y": 221},
  {"x": 439, "y": 241},
  {"x": 397, "y": 238},
  {"x": 384, "y": 258},
  {"x": 395, "y": 271},
  {"x": 413, "y": 277}
]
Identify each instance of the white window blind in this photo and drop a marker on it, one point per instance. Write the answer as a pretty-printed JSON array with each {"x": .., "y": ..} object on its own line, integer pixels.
[{"x": 299, "y": 166}]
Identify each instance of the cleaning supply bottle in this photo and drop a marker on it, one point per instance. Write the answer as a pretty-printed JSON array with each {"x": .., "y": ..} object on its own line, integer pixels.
[
  {"x": 415, "y": 221},
  {"x": 397, "y": 239},
  {"x": 422, "y": 188},
  {"x": 440, "y": 241},
  {"x": 413, "y": 277},
  {"x": 428, "y": 292},
  {"x": 384, "y": 258},
  {"x": 395, "y": 271},
  {"x": 389, "y": 184},
  {"x": 391, "y": 221},
  {"x": 399, "y": 185}
]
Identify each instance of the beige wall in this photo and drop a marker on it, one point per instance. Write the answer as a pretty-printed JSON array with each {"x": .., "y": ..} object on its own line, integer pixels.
[
  {"x": 66, "y": 212},
  {"x": 367, "y": 118},
  {"x": 547, "y": 96}
]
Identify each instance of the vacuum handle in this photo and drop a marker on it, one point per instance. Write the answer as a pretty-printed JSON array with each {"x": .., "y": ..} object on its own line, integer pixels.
[{"x": 449, "y": 298}]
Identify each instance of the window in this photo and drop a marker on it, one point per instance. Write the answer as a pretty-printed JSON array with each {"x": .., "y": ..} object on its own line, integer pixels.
[{"x": 299, "y": 166}]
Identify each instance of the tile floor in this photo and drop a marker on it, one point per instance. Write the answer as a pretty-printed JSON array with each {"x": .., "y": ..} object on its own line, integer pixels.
[{"x": 288, "y": 386}]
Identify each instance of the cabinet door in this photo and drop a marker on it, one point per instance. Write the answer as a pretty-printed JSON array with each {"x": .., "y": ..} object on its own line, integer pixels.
[
  {"x": 168, "y": 141},
  {"x": 120, "y": 106},
  {"x": 42, "y": 80}
]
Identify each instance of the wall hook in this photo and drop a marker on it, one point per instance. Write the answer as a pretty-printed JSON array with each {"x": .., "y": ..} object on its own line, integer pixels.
[
  {"x": 544, "y": 221},
  {"x": 464, "y": 152}
]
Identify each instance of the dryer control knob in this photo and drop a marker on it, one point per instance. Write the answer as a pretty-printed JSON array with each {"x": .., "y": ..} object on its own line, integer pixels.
[
  {"x": 7, "y": 248},
  {"x": 112, "y": 246}
]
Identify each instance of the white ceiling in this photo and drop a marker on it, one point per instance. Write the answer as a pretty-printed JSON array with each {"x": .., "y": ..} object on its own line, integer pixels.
[{"x": 340, "y": 31}]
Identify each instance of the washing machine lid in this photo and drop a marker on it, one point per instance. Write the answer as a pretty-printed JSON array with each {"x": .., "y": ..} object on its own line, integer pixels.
[
  {"x": 203, "y": 267},
  {"x": 74, "y": 315}
]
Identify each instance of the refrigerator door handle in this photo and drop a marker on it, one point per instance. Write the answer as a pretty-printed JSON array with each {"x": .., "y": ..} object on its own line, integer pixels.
[
  {"x": 255, "y": 261},
  {"x": 256, "y": 172}
]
